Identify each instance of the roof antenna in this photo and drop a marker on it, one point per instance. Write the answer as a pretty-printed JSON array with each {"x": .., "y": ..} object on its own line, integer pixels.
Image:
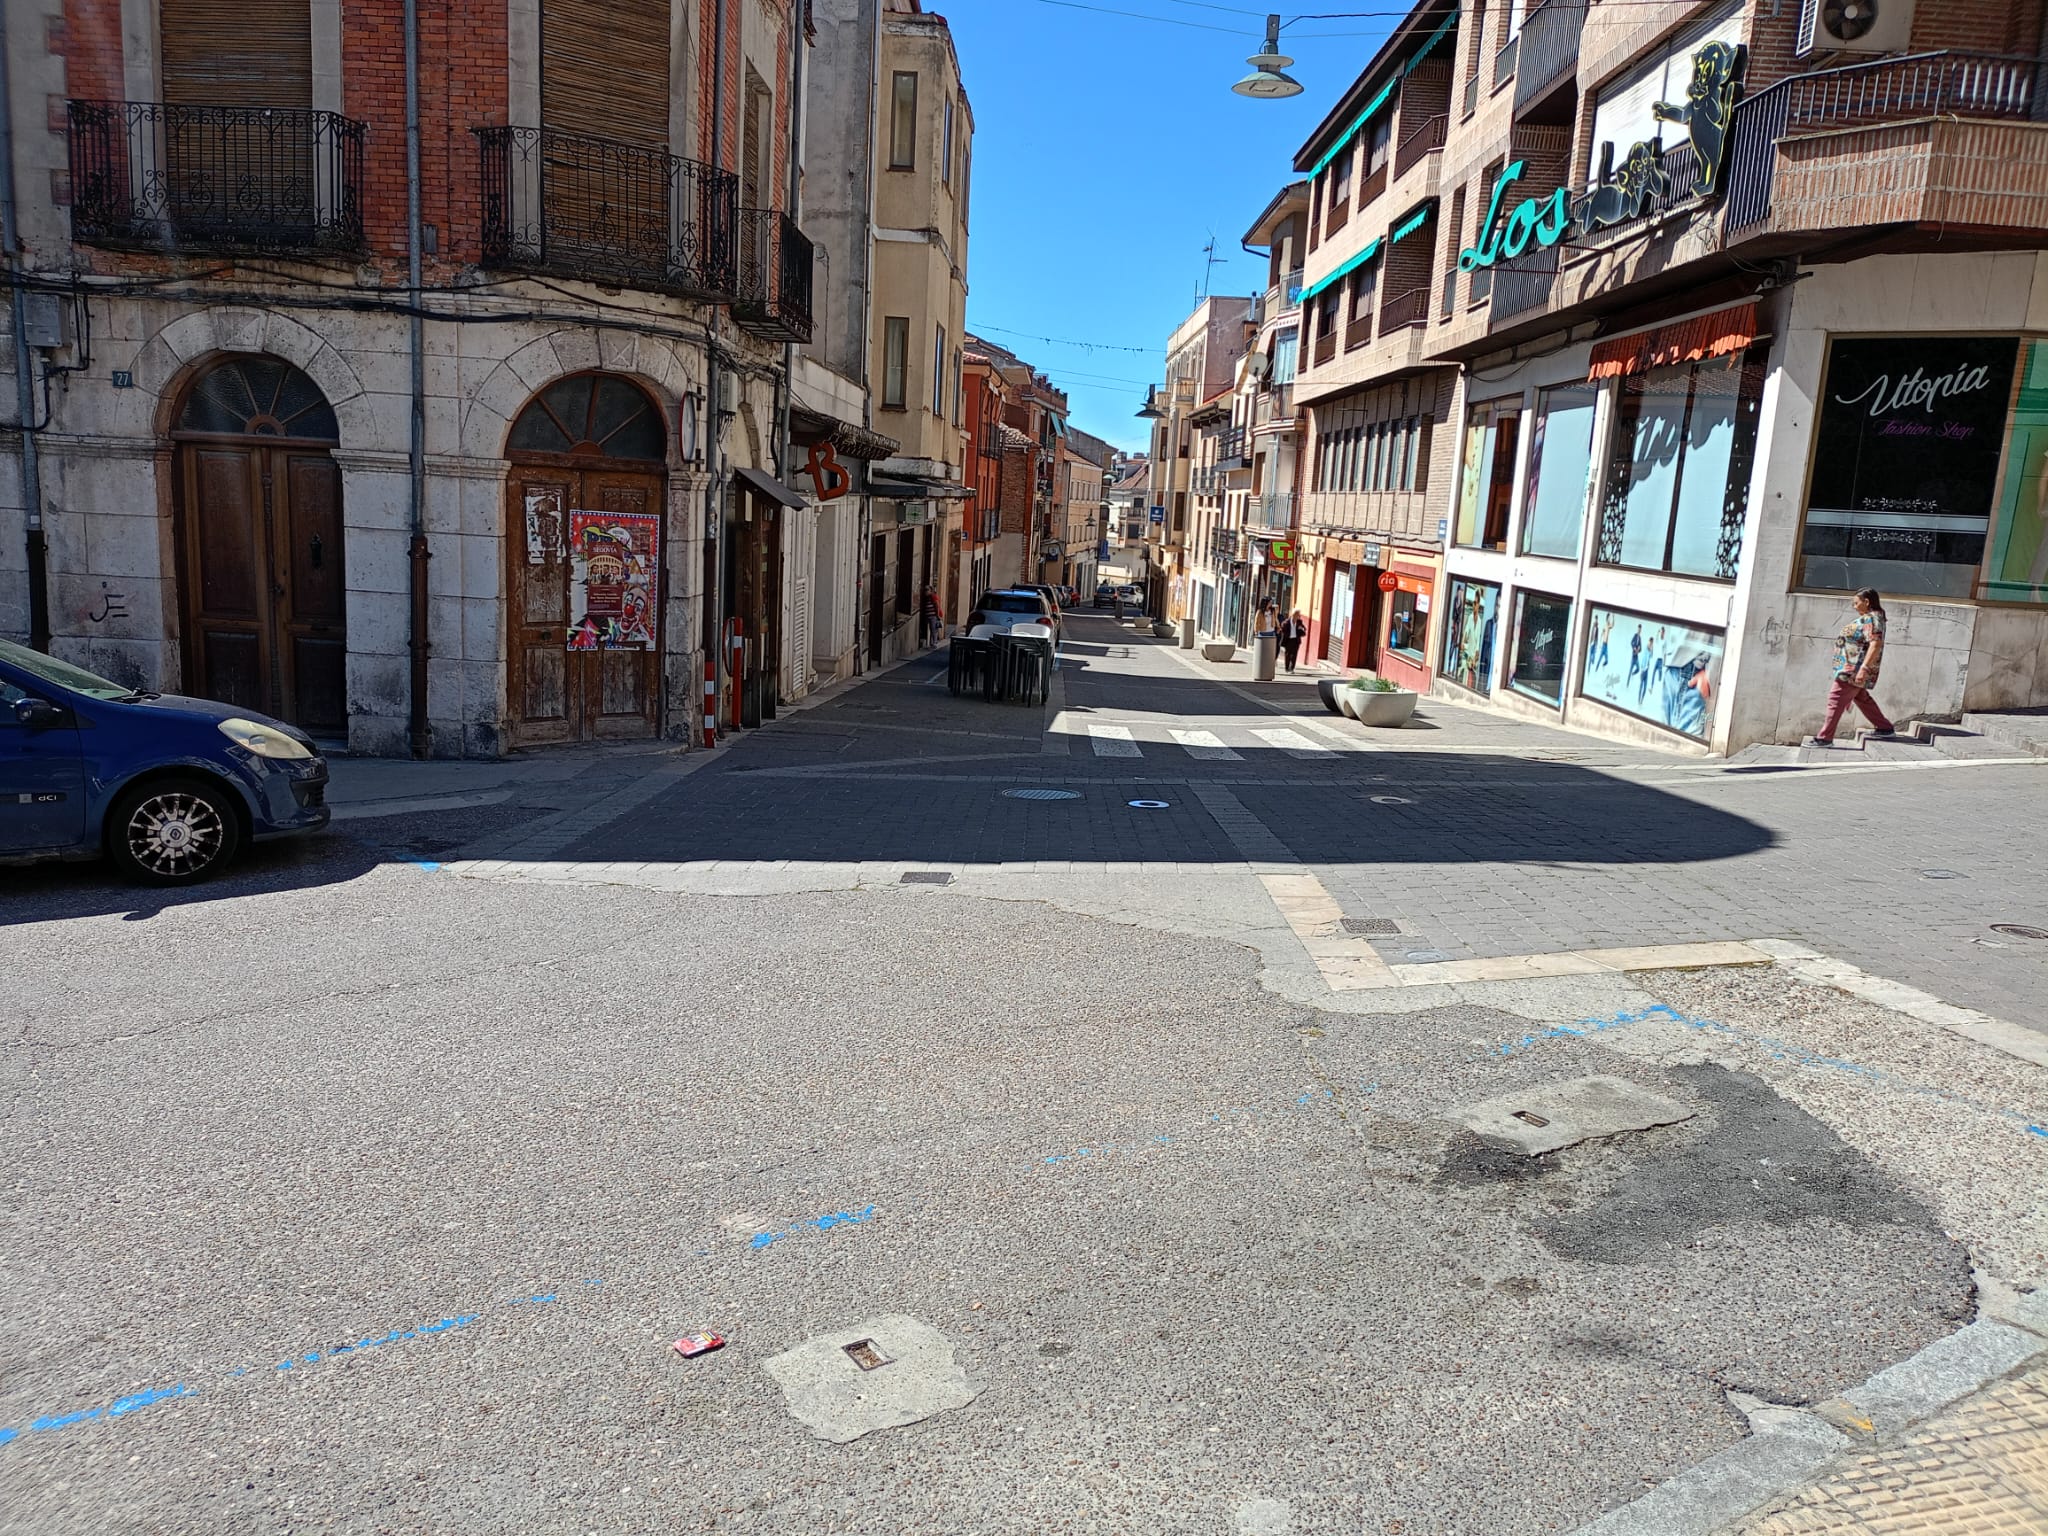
[{"x": 1210, "y": 262}]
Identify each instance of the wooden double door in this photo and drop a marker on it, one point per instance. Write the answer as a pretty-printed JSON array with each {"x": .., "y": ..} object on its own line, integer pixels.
[
  {"x": 264, "y": 590},
  {"x": 556, "y": 694}
]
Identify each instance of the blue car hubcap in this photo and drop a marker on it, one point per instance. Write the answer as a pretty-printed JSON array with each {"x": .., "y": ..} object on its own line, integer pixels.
[{"x": 174, "y": 834}]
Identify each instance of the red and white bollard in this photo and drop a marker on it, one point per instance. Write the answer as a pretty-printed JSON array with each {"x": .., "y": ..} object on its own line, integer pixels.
[{"x": 710, "y": 701}]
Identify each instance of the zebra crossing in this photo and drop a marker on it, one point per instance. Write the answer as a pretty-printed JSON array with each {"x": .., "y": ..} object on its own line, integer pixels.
[{"x": 1122, "y": 741}]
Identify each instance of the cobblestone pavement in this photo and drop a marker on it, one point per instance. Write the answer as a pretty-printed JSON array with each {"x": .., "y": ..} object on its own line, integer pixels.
[{"x": 1980, "y": 1469}]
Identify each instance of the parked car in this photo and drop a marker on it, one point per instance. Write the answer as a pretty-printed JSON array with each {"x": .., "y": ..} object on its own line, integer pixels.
[
  {"x": 169, "y": 788},
  {"x": 1015, "y": 605}
]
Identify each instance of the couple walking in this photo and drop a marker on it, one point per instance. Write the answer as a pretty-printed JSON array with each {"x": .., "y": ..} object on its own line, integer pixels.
[{"x": 1290, "y": 631}]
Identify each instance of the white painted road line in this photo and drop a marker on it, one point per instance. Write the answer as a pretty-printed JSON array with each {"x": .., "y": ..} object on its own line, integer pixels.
[
  {"x": 1208, "y": 746},
  {"x": 1292, "y": 742},
  {"x": 1112, "y": 741}
]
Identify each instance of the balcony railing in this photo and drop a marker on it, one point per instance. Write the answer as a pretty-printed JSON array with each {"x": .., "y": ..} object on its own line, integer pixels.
[
  {"x": 1948, "y": 84},
  {"x": 1504, "y": 62},
  {"x": 1405, "y": 309},
  {"x": 1283, "y": 298},
  {"x": 1230, "y": 450},
  {"x": 1522, "y": 283},
  {"x": 774, "y": 296},
  {"x": 1428, "y": 135},
  {"x": 1550, "y": 47},
  {"x": 177, "y": 177},
  {"x": 606, "y": 211},
  {"x": 1271, "y": 509},
  {"x": 1274, "y": 405}
]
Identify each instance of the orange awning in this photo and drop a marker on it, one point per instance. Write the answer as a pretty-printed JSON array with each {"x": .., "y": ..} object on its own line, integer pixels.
[{"x": 1689, "y": 341}]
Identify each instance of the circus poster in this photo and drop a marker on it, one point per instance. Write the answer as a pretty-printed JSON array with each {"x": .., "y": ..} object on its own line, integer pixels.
[{"x": 614, "y": 566}]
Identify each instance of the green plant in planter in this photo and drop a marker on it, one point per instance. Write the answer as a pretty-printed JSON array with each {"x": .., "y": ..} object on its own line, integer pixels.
[{"x": 1375, "y": 685}]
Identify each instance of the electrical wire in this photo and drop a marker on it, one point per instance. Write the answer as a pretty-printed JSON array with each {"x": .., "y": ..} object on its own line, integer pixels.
[{"x": 1067, "y": 341}]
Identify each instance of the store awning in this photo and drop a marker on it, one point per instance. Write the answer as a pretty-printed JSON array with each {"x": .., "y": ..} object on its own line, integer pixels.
[
  {"x": 856, "y": 442},
  {"x": 764, "y": 484},
  {"x": 1339, "y": 273},
  {"x": 1687, "y": 341}
]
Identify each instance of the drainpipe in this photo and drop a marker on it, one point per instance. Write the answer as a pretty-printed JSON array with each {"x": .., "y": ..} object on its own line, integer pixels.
[
  {"x": 785, "y": 386},
  {"x": 417, "y": 727},
  {"x": 714, "y": 451},
  {"x": 861, "y": 249},
  {"x": 24, "y": 382}
]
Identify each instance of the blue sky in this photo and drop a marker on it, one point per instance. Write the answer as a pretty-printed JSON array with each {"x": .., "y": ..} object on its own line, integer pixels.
[{"x": 1107, "y": 151}]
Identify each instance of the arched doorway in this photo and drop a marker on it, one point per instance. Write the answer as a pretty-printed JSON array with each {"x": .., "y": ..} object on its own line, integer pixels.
[
  {"x": 263, "y": 583},
  {"x": 583, "y": 518}
]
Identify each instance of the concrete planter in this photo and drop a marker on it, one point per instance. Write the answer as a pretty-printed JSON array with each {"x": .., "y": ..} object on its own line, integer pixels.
[
  {"x": 1328, "y": 689},
  {"x": 1389, "y": 711},
  {"x": 1218, "y": 650}
]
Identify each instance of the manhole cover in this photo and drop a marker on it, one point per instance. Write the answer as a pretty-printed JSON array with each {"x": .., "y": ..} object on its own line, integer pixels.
[
  {"x": 1943, "y": 874},
  {"x": 1391, "y": 800},
  {"x": 1147, "y": 805},
  {"x": 1380, "y": 925},
  {"x": 1042, "y": 794},
  {"x": 926, "y": 877},
  {"x": 864, "y": 1354},
  {"x": 2019, "y": 931},
  {"x": 1423, "y": 956}
]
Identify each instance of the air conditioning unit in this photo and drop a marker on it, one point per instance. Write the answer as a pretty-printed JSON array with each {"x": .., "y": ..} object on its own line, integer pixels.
[{"x": 1855, "y": 26}]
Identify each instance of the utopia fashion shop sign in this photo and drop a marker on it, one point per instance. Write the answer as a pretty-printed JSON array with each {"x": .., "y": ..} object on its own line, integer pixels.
[
  {"x": 1906, "y": 457},
  {"x": 1624, "y": 193}
]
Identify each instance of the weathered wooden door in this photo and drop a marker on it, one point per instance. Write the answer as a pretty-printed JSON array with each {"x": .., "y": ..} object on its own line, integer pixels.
[
  {"x": 557, "y": 694},
  {"x": 263, "y": 595},
  {"x": 590, "y": 442}
]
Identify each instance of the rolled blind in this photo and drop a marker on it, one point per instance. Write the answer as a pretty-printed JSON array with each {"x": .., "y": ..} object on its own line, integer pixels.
[
  {"x": 238, "y": 54},
  {"x": 604, "y": 69}
]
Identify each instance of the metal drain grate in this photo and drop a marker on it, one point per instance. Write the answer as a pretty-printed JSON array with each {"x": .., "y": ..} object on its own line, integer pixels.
[
  {"x": 1374, "y": 925},
  {"x": 926, "y": 877},
  {"x": 2019, "y": 931},
  {"x": 1042, "y": 794}
]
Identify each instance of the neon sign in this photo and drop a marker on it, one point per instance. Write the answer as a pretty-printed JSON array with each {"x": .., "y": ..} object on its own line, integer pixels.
[{"x": 1547, "y": 221}]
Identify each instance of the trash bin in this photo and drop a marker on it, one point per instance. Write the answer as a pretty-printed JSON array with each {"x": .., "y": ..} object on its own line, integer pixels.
[
  {"x": 1187, "y": 633},
  {"x": 1265, "y": 650}
]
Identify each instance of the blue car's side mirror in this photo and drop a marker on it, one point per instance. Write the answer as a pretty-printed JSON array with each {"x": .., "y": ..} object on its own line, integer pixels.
[{"x": 37, "y": 714}]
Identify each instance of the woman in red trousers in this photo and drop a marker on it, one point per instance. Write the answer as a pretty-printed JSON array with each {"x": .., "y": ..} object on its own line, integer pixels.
[{"x": 1859, "y": 650}]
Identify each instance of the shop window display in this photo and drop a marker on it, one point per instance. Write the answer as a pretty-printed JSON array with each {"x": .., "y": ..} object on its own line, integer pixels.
[
  {"x": 1560, "y": 472},
  {"x": 1543, "y": 626},
  {"x": 2018, "y": 569},
  {"x": 1491, "y": 432},
  {"x": 1678, "y": 468},
  {"x": 1662, "y": 670},
  {"x": 1408, "y": 623},
  {"x": 1466, "y": 656},
  {"x": 1905, "y": 463}
]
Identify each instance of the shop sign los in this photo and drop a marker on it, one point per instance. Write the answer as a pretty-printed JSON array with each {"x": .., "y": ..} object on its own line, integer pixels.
[{"x": 1548, "y": 221}]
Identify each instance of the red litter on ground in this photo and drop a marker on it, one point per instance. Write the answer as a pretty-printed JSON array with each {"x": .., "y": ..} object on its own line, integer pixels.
[{"x": 698, "y": 1344}]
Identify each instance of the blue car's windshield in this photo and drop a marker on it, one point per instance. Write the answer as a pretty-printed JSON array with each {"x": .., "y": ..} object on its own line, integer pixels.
[{"x": 62, "y": 673}]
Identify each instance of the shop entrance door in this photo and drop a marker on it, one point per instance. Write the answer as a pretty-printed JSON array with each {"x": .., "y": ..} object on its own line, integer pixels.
[{"x": 583, "y": 657}]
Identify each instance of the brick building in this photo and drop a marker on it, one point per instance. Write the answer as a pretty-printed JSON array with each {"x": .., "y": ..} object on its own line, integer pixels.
[
  {"x": 457, "y": 460},
  {"x": 1638, "y": 336}
]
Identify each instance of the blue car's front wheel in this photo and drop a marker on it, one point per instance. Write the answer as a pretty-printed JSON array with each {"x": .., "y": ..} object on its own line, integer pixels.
[{"x": 172, "y": 831}]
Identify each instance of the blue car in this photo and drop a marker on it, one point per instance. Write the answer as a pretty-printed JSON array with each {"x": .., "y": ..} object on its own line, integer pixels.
[{"x": 168, "y": 788}]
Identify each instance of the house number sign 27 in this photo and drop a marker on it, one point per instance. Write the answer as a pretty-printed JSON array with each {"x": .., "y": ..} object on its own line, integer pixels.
[{"x": 1547, "y": 221}]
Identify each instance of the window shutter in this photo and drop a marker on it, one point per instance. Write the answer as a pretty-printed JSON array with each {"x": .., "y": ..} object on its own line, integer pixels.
[
  {"x": 605, "y": 70},
  {"x": 232, "y": 53}
]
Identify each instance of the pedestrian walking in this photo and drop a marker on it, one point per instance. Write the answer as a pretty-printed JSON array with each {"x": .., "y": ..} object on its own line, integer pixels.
[
  {"x": 1859, "y": 651},
  {"x": 1293, "y": 630},
  {"x": 930, "y": 621}
]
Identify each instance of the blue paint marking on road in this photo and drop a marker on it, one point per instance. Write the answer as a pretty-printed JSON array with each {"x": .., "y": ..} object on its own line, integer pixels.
[
  {"x": 823, "y": 1223},
  {"x": 120, "y": 1407},
  {"x": 427, "y": 864}
]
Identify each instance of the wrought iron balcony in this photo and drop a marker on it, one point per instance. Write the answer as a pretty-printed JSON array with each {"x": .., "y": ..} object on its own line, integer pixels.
[
  {"x": 1916, "y": 86},
  {"x": 158, "y": 176},
  {"x": 1405, "y": 309},
  {"x": 774, "y": 300},
  {"x": 606, "y": 212}
]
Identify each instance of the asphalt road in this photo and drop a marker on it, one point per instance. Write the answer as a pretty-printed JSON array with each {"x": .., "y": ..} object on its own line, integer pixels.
[{"x": 362, "y": 1193}]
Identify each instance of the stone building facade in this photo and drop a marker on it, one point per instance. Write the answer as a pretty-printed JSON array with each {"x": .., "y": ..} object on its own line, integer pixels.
[{"x": 517, "y": 498}]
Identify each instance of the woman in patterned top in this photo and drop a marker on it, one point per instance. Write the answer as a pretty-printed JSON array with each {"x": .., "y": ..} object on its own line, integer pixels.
[{"x": 1859, "y": 650}]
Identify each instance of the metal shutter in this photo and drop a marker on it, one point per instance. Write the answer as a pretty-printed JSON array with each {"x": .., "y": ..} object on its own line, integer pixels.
[
  {"x": 604, "y": 69},
  {"x": 233, "y": 53}
]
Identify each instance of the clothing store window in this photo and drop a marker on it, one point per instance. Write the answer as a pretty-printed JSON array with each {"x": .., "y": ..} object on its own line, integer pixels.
[
  {"x": 1678, "y": 468},
  {"x": 1560, "y": 472}
]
